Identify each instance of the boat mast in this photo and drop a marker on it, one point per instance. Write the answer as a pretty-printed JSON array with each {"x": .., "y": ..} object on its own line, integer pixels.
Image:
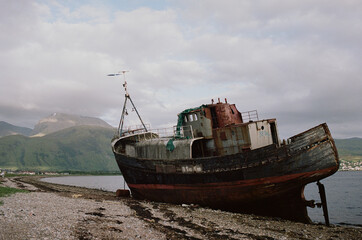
[{"x": 126, "y": 97}]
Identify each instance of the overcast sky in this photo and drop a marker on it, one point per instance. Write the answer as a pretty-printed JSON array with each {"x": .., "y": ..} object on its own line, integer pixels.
[{"x": 297, "y": 61}]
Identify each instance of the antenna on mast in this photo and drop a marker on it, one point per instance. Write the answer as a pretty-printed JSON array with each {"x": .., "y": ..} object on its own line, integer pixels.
[
  {"x": 124, "y": 79},
  {"x": 126, "y": 96},
  {"x": 125, "y": 82}
]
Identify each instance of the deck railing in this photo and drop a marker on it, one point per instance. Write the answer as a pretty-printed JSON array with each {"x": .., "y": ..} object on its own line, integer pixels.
[
  {"x": 170, "y": 132},
  {"x": 250, "y": 116}
]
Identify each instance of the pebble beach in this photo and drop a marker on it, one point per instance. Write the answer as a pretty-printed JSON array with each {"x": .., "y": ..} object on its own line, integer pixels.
[{"x": 51, "y": 211}]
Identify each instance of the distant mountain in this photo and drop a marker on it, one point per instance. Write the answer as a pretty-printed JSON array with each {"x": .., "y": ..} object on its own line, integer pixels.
[
  {"x": 7, "y": 129},
  {"x": 80, "y": 148},
  {"x": 350, "y": 146},
  {"x": 60, "y": 121}
]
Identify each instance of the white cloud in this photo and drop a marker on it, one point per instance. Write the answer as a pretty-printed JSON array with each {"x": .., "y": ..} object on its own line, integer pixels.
[{"x": 294, "y": 60}]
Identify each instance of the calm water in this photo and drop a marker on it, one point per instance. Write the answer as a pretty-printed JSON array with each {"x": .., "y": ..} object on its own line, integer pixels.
[
  {"x": 343, "y": 190},
  {"x": 108, "y": 183},
  {"x": 344, "y": 198}
]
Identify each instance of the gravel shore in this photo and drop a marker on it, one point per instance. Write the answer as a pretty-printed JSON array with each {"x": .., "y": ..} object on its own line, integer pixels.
[{"x": 51, "y": 211}]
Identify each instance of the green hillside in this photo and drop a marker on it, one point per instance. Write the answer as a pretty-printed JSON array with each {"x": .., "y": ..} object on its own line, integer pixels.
[
  {"x": 81, "y": 148},
  {"x": 7, "y": 129},
  {"x": 350, "y": 153},
  {"x": 350, "y": 146}
]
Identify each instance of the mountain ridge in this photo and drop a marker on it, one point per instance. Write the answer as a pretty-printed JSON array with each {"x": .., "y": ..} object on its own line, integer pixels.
[
  {"x": 79, "y": 148},
  {"x": 7, "y": 129},
  {"x": 59, "y": 121},
  {"x": 59, "y": 142}
]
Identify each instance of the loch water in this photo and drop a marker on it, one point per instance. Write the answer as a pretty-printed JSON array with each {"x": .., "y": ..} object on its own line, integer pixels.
[
  {"x": 343, "y": 191},
  {"x": 344, "y": 198}
]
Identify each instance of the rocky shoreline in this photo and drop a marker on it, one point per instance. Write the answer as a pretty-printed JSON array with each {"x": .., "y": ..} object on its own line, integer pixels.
[{"x": 52, "y": 211}]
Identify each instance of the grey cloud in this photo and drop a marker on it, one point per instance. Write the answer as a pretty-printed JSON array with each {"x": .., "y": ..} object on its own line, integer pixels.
[{"x": 297, "y": 61}]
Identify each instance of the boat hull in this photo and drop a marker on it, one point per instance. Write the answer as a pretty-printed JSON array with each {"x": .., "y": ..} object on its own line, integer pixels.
[{"x": 266, "y": 181}]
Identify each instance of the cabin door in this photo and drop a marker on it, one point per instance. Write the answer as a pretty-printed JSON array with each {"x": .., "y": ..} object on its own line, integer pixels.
[
  {"x": 214, "y": 118},
  {"x": 274, "y": 133}
]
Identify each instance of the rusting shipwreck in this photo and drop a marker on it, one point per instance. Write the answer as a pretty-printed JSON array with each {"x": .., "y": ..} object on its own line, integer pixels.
[{"x": 221, "y": 158}]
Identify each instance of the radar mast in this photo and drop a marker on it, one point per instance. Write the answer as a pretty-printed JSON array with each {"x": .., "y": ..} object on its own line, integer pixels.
[{"x": 126, "y": 97}]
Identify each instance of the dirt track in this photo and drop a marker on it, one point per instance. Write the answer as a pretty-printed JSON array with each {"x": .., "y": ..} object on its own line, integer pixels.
[{"x": 63, "y": 212}]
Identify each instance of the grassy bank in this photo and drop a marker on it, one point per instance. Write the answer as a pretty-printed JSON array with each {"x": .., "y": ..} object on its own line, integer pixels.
[{"x": 6, "y": 191}]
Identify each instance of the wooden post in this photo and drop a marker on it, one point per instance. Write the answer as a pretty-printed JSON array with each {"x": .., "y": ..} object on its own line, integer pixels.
[{"x": 322, "y": 193}]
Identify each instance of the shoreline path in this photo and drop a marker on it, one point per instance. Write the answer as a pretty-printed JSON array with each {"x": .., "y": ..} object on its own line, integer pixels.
[{"x": 52, "y": 211}]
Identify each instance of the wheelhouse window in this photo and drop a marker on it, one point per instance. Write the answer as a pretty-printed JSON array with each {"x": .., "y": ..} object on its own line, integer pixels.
[{"x": 192, "y": 117}]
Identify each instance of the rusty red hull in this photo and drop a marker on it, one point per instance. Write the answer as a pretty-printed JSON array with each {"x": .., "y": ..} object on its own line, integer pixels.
[{"x": 266, "y": 181}]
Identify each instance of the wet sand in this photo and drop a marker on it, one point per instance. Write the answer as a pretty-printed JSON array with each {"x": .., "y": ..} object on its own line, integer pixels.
[{"x": 52, "y": 211}]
